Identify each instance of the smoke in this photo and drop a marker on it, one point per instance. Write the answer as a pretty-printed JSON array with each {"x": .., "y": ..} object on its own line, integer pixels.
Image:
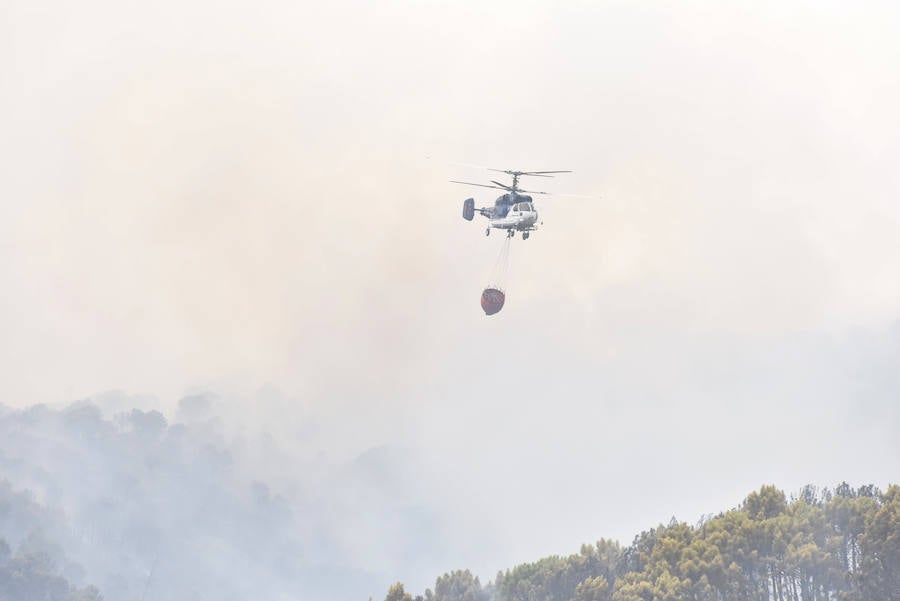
[{"x": 200, "y": 198}]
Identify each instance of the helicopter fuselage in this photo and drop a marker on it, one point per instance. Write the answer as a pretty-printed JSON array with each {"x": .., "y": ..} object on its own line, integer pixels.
[
  {"x": 520, "y": 216},
  {"x": 512, "y": 212}
]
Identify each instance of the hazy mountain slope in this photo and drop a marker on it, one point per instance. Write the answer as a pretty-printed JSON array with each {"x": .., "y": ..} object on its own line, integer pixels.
[{"x": 159, "y": 511}]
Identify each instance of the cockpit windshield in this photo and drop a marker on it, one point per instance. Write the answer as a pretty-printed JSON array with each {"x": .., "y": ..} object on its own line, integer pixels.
[{"x": 524, "y": 206}]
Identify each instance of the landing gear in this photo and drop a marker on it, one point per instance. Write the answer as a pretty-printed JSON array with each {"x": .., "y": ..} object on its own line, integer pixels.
[
  {"x": 510, "y": 233},
  {"x": 487, "y": 232},
  {"x": 525, "y": 235}
]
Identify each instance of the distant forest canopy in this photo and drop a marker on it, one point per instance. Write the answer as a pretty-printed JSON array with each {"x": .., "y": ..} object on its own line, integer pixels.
[{"x": 820, "y": 545}]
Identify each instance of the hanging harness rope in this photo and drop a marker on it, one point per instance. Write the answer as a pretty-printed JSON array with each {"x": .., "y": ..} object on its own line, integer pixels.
[{"x": 501, "y": 266}]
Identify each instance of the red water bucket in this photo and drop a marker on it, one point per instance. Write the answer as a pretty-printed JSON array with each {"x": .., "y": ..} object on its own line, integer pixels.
[{"x": 492, "y": 300}]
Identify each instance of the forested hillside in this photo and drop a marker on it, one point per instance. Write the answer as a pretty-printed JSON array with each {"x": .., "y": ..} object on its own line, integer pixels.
[
  {"x": 129, "y": 506},
  {"x": 37, "y": 568},
  {"x": 828, "y": 545}
]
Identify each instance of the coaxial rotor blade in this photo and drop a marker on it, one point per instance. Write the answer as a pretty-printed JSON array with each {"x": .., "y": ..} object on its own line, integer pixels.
[
  {"x": 504, "y": 186},
  {"x": 560, "y": 194},
  {"x": 518, "y": 173},
  {"x": 506, "y": 171},
  {"x": 534, "y": 173},
  {"x": 541, "y": 172},
  {"x": 480, "y": 185}
]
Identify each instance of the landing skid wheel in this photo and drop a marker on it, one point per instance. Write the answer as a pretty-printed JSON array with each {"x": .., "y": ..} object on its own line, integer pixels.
[
  {"x": 525, "y": 235},
  {"x": 510, "y": 233},
  {"x": 487, "y": 232}
]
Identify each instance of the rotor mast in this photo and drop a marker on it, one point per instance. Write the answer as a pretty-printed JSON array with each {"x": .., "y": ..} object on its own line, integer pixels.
[{"x": 515, "y": 184}]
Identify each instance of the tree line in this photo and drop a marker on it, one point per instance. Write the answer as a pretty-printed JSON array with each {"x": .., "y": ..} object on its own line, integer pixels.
[
  {"x": 819, "y": 545},
  {"x": 36, "y": 568}
]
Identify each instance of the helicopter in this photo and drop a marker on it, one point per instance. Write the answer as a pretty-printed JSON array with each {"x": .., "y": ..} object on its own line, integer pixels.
[{"x": 513, "y": 211}]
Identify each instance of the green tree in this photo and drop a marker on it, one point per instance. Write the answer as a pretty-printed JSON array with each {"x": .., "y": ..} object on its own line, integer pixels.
[
  {"x": 397, "y": 593},
  {"x": 592, "y": 589},
  {"x": 767, "y": 503},
  {"x": 879, "y": 575},
  {"x": 459, "y": 585}
]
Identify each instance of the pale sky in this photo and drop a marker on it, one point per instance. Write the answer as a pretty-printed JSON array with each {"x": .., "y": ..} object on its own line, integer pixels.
[{"x": 232, "y": 197}]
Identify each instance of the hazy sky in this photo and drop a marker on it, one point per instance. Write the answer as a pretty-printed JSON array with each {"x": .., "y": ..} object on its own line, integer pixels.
[{"x": 229, "y": 196}]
